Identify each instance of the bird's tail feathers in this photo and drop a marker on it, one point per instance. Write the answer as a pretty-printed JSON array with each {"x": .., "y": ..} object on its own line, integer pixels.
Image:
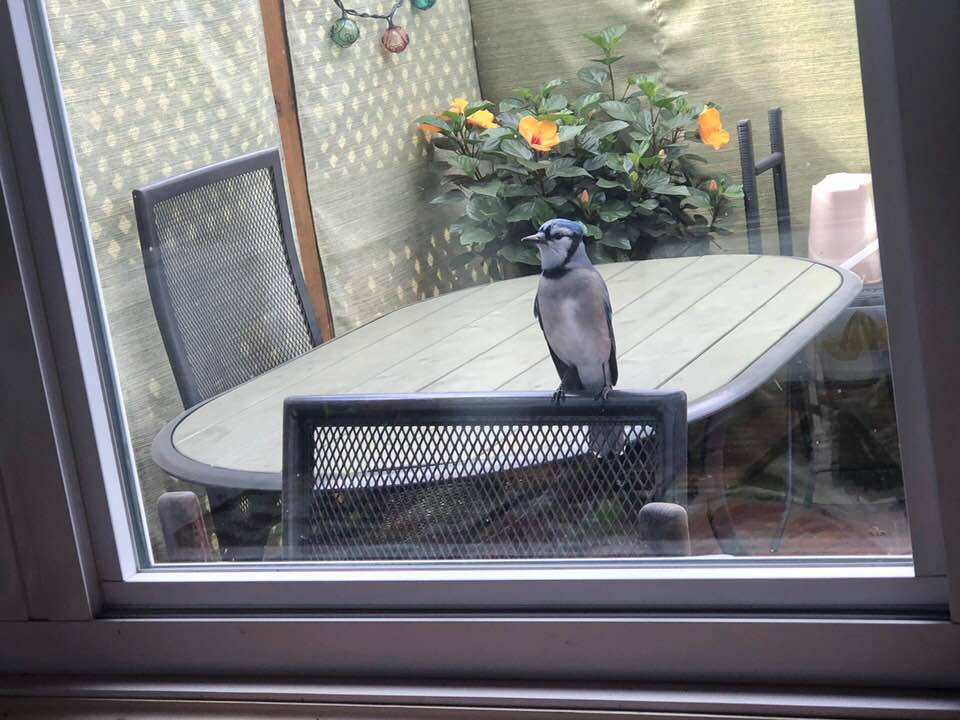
[{"x": 605, "y": 439}]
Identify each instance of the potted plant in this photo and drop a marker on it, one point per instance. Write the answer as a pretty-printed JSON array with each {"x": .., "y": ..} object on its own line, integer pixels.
[{"x": 618, "y": 159}]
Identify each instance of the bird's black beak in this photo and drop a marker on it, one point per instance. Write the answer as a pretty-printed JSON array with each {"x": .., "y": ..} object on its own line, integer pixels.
[{"x": 537, "y": 239}]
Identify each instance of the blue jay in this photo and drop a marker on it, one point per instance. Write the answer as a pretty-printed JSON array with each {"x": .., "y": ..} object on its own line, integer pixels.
[{"x": 573, "y": 307}]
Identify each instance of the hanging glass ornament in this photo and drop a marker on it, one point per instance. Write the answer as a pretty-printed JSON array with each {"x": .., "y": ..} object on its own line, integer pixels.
[
  {"x": 395, "y": 39},
  {"x": 344, "y": 32}
]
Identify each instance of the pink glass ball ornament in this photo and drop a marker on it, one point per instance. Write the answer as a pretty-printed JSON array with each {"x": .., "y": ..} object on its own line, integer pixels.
[{"x": 395, "y": 39}]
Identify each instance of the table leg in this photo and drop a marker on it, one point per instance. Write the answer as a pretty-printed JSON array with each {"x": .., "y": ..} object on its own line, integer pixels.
[
  {"x": 712, "y": 487},
  {"x": 242, "y": 520}
]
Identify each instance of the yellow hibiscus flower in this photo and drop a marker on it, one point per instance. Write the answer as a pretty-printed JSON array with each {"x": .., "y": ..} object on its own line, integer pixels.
[
  {"x": 482, "y": 119},
  {"x": 540, "y": 134}
]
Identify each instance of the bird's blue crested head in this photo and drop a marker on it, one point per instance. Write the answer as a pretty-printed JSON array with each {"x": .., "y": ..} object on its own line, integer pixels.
[
  {"x": 559, "y": 243},
  {"x": 558, "y": 226}
]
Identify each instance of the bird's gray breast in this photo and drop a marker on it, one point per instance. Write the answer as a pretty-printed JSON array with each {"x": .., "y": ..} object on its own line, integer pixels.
[{"x": 574, "y": 317}]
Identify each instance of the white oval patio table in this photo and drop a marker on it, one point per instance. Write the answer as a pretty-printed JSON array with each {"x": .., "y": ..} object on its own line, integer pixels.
[{"x": 715, "y": 326}]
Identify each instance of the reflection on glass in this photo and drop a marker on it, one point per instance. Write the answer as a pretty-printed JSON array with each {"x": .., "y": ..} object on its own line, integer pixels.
[{"x": 748, "y": 278}]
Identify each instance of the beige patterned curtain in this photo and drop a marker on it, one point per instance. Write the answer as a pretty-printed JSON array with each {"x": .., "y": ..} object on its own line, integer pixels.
[
  {"x": 153, "y": 88},
  {"x": 383, "y": 246},
  {"x": 745, "y": 55}
]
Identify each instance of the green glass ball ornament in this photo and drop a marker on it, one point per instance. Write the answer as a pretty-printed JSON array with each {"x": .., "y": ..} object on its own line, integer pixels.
[
  {"x": 423, "y": 4},
  {"x": 344, "y": 32}
]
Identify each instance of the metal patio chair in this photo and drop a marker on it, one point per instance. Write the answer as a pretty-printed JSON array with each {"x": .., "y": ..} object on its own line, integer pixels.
[
  {"x": 807, "y": 403},
  {"x": 479, "y": 476},
  {"x": 750, "y": 168},
  {"x": 229, "y": 298}
]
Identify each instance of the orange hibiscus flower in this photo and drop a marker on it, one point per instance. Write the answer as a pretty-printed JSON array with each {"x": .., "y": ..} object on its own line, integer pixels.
[
  {"x": 711, "y": 130},
  {"x": 539, "y": 134},
  {"x": 459, "y": 105},
  {"x": 428, "y": 130}
]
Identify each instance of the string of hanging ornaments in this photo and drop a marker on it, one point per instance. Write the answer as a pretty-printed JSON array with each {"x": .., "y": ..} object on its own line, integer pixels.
[{"x": 345, "y": 31}]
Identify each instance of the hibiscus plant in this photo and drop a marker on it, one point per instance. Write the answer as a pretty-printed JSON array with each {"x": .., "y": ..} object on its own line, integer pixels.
[{"x": 617, "y": 158}]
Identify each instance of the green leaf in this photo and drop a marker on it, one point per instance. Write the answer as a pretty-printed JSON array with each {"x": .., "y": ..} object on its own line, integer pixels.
[
  {"x": 608, "y": 38},
  {"x": 477, "y": 107},
  {"x": 608, "y": 61},
  {"x": 592, "y": 231},
  {"x": 451, "y": 197},
  {"x": 620, "y": 111},
  {"x": 465, "y": 164},
  {"x": 615, "y": 210},
  {"x": 676, "y": 151},
  {"x": 670, "y": 189},
  {"x": 699, "y": 199},
  {"x": 534, "y": 165},
  {"x": 542, "y": 211},
  {"x": 511, "y": 104},
  {"x": 665, "y": 101},
  {"x": 519, "y": 252},
  {"x": 680, "y": 120},
  {"x": 596, "y": 162},
  {"x": 553, "y": 104},
  {"x": 523, "y": 211},
  {"x": 557, "y": 202},
  {"x": 587, "y": 100},
  {"x": 482, "y": 208},
  {"x": 593, "y": 75},
  {"x": 640, "y": 148},
  {"x": 476, "y": 236},
  {"x": 616, "y": 236},
  {"x": 569, "y": 132},
  {"x": 437, "y": 122},
  {"x": 648, "y": 205},
  {"x": 600, "y": 254},
  {"x": 653, "y": 178},
  {"x": 490, "y": 139},
  {"x": 517, "y": 149},
  {"x": 646, "y": 84},
  {"x": 490, "y": 188},
  {"x": 515, "y": 190},
  {"x": 613, "y": 184},
  {"x": 601, "y": 130},
  {"x": 570, "y": 172},
  {"x": 734, "y": 192},
  {"x": 551, "y": 85}
]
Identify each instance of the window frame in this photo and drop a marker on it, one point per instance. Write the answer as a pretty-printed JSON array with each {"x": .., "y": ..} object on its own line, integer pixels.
[{"x": 73, "y": 515}]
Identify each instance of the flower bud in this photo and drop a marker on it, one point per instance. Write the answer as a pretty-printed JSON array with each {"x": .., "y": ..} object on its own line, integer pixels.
[{"x": 584, "y": 197}]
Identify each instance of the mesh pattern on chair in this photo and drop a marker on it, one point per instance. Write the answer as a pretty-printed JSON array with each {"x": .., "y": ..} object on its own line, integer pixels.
[
  {"x": 506, "y": 487},
  {"x": 223, "y": 260}
]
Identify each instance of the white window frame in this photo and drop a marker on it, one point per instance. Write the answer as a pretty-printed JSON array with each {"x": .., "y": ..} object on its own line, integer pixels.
[{"x": 63, "y": 467}]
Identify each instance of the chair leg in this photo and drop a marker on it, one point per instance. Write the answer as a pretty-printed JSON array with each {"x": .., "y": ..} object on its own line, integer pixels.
[
  {"x": 243, "y": 520},
  {"x": 184, "y": 532}
]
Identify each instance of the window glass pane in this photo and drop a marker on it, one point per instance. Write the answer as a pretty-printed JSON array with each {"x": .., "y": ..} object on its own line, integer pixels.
[{"x": 317, "y": 203}]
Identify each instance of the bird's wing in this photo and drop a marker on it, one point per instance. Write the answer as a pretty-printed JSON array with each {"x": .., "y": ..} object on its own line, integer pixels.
[
  {"x": 612, "y": 363},
  {"x": 569, "y": 377}
]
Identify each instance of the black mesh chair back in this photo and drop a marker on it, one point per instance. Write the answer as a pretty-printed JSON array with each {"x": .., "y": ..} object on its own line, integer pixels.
[
  {"x": 223, "y": 273},
  {"x": 751, "y": 168},
  {"x": 501, "y": 476}
]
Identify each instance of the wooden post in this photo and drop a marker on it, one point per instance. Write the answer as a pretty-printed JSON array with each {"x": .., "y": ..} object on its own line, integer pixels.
[{"x": 285, "y": 99}]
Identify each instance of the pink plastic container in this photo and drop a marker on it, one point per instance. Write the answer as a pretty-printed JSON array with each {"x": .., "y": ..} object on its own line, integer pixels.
[{"x": 843, "y": 226}]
